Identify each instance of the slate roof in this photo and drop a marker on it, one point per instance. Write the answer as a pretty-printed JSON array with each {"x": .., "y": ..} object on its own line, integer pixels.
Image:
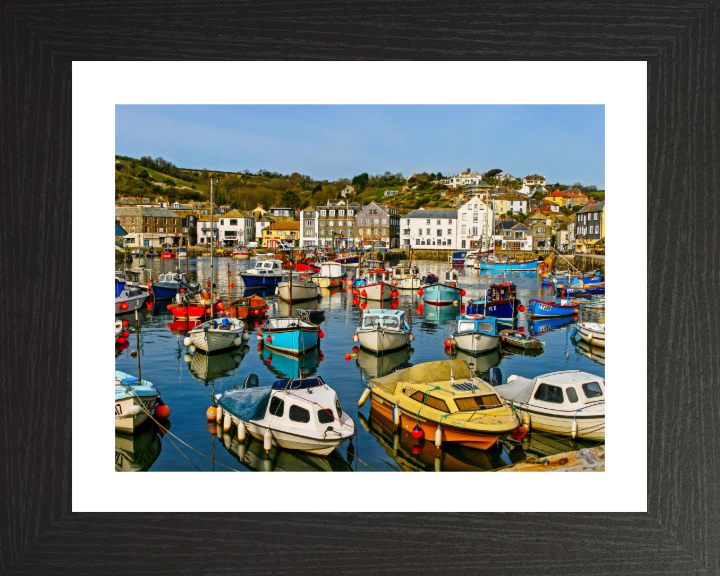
[
  {"x": 145, "y": 211},
  {"x": 432, "y": 214},
  {"x": 597, "y": 207},
  {"x": 508, "y": 224}
]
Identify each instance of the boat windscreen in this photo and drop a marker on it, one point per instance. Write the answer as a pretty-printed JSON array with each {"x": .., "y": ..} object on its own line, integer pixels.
[{"x": 478, "y": 402}]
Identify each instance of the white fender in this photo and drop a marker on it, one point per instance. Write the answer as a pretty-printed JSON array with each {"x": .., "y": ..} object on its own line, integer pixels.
[
  {"x": 267, "y": 441},
  {"x": 219, "y": 415},
  {"x": 574, "y": 429},
  {"x": 438, "y": 437},
  {"x": 227, "y": 422},
  {"x": 237, "y": 341},
  {"x": 187, "y": 358},
  {"x": 245, "y": 336},
  {"x": 526, "y": 420},
  {"x": 438, "y": 463},
  {"x": 396, "y": 415},
  {"x": 187, "y": 341},
  {"x": 241, "y": 431},
  {"x": 192, "y": 348}
]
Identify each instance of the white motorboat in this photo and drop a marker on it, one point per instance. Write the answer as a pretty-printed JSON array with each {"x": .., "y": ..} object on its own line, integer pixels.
[
  {"x": 569, "y": 403},
  {"x": 266, "y": 273},
  {"x": 383, "y": 331},
  {"x": 302, "y": 289},
  {"x": 375, "y": 285},
  {"x": 331, "y": 274},
  {"x": 134, "y": 400},
  {"x": 215, "y": 335},
  {"x": 118, "y": 328},
  {"x": 127, "y": 297},
  {"x": 299, "y": 414},
  {"x": 475, "y": 333},
  {"x": 405, "y": 277},
  {"x": 592, "y": 332}
]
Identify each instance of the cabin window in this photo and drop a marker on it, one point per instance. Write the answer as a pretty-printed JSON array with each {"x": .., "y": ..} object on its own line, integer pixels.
[
  {"x": 339, "y": 409},
  {"x": 277, "y": 406},
  {"x": 548, "y": 393},
  {"x": 592, "y": 390},
  {"x": 571, "y": 394},
  {"x": 298, "y": 414},
  {"x": 370, "y": 321},
  {"x": 325, "y": 416},
  {"x": 485, "y": 327},
  {"x": 464, "y": 326},
  {"x": 478, "y": 402},
  {"x": 431, "y": 401},
  {"x": 390, "y": 322}
]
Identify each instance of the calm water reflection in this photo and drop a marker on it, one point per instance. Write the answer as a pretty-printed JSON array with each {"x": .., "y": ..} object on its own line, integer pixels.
[{"x": 189, "y": 381}]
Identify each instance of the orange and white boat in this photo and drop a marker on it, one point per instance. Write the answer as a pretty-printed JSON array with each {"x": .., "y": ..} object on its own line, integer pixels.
[
  {"x": 194, "y": 306},
  {"x": 443, "y": 401}
]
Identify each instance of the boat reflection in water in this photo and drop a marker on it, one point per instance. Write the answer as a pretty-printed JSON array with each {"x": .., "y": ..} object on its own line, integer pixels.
[
  {"x": 251, "y": 454},
  {"x": 595, "y": 353},
  {"x": 215, "y": 366},
  {"x": 285, "y": 365},
  {"x": 541, "y": 444},
  {"x": 138, "y": 451},
  {"x": 372, "y": 366},
  {"x": 409, "y": 453},
  {"x": 514, "y": 350},
  {"x": 183, "y": 326},
  {"x": 435, "y": 316},
  {"x": 285, "y": 310},
  {"x": 548, "y": 324},
  {"x": 481, "y": 363}
]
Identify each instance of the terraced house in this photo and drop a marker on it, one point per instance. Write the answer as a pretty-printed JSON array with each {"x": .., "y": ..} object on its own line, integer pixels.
[
  {"x": 590, "y": 226},
  {"x": 543, "y": 225},
  {"x": 149, "y": 227},
  {"x": 329, "y": 225},
  {"x": 378, "y": 223},
  {"x": 475, "y": 224},
  {"x": 513, "y": 235},
  {"x": 429, "y": 229},
  {"x": 236, "y": 227}
]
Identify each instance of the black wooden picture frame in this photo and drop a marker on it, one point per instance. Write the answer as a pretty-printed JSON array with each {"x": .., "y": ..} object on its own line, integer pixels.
[{"x": 679, "y": 534}]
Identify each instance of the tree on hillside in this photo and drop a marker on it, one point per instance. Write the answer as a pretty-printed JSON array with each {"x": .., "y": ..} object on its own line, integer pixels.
[
  {"x": 320, "y": 198},
  {"x": 439, "y": 176},
  {"x": 143, "y": 174},
  {"x": 577, "y": 185},
  {"x": 490, "y": 174},
  {"x": 317, "y": 187},
  {"x": 119, "y": 166},
  {"x": 360, "y": 181},
  {"x": 538, "y": 195},
  {"x": 290, "y": 198}
]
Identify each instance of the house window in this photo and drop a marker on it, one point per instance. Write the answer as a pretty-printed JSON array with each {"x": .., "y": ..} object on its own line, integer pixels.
[
  {"x": 464, "y": 217},
  {"x": 376, "y": 232},
  {"x": 449, "y": 231},
  {"x": 464, "y": 228},
  {"x": 332, "y": 212},
  {"x": 428, "y": 221},
  {"x": 439, "y": 222},
  {"x": 408, "y": 222},
  {"x": 475, "y": 231},
  {"x": 322, "y": 212},
  {"x": 376, "y": 221},
  {"x": 417, "y": 241},
  {"x": 475, "y": 217},
  {"x": 439, "y": 232},
  {"x": 450, "y": 222},
  {"x": 463, "y": 244},
  {"x": 428, "y": 231},
  {"x": 420, "y": 232}
]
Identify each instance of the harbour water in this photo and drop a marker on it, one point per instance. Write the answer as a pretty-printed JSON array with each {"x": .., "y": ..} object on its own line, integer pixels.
[{"x": 188, "y": 383}]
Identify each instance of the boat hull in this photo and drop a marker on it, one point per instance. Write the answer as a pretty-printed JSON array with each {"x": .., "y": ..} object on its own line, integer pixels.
[
  {"x": 300, "y": 291},
  {"x": 133, "y": 302},
  {"x": 380, "y": 341},
  {"x": 594, "y": 337},
  {"x": 292, "y": 341},
  {"x": 510, "y": 266},
  {"x": 213, "y": 340},
  {"x": 130, "y": 423},
  {"x": 349, "y": 261},
  {"x": 441, "y": 294},
  {"x": 408, "y": 284},
  {"x": 260, "y": 280},
  {"x": 475, "y": 342},
  {"x": 289, "y": 441},
  {"x": 589, "y": 427},
  {"x": 380, "y": 291},
  {"x": 550, "y": 310},
  {"x": 506, "y": 310},
  {"x": 328, "y": 282}
]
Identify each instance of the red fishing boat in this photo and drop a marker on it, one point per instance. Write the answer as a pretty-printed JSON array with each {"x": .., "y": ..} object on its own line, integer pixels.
[
  {"x": 195, "y": 306},
  {"x": 305, "y": 266},
  {"x": 249, "y": 307}
]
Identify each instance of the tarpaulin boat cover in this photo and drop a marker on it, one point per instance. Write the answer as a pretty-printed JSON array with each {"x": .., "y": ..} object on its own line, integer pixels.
[
  {"x": 246, "y": 403},
  {"x": 518, "y": 391},
  {"x": 425, "y": 373}
]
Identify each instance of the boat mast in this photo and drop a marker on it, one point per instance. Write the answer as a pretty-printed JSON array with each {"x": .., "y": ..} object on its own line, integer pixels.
[{"x": 212, "y": 247}]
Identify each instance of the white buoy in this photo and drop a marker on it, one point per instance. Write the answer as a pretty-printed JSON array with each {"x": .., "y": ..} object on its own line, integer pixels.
[
  {"x": 574, "y": 429},
  {"x": 237, "y": 341},
  {"x": 396, "y": 415},
  {"x": 192, "y": 348},
  {"x": 259, "y": 338},
  {"x": 187, "y": 341},
  {"x": 245, "y": 336},
  {"x": 526, "y": 421},
  {"x": 227, "y": 422},
  {"x": 364, "y": 397},
  {"x": 412, "y": 337},
  {"x": 438, "y": 437},
  {"x": 219, "y": 416},
  {"x": 187, "y": 358},
  {"x": 133, "y": 410},
  {"x": 267, "y": 441},
  {"x": 241, "y": 432}
]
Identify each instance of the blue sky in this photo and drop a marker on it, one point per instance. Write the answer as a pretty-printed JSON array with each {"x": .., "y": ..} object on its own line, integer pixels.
[{"x": 564, "y": 143}]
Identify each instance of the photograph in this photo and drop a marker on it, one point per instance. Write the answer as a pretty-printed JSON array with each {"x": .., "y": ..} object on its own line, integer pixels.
[{"x": 359, "y": 287}]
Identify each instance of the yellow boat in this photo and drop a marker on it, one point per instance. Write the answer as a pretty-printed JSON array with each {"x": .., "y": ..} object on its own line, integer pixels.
[{"x": 445, "y": 401}]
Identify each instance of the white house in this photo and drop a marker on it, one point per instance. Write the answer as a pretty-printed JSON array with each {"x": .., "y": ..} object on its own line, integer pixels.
[
  {"x": 236, "y": 227},
  {"x": 513, "y": 236},
  {"x": 259, "y": 225},
  {"x": 347, "y": 190},
  {"x": 465, "y": 178},
  {"x": 309, "y": 227},
  {"x": 429, "y": 229},
  {"x": 533, "y": 180},
  {"x": 204, "y": 226},
  {"x": 475, "y": 224},
  {"x": 525, "y": 190}
]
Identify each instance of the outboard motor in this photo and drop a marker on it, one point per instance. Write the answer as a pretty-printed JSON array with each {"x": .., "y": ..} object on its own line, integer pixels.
[
  {"x": 495, "y": 376},
  {"x": 251, "y": 381}
]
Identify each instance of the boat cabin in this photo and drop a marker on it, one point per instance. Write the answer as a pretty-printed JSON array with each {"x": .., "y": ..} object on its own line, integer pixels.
[
  {"x": 477, "y": 323},
  {"x": 387, "y": 319},
  {"x": 173, "y": 277},
  {"x": 504, "y": 291},
  {"x": 372, "y": 264},
  {"x": 569, "y": 390},
  {"x": 403, "y": 271},
  {"x": 376, "y": 276},
  {"x": 331, "y": 270},
  {"x": 268, "y": 267},
  {"x": 451, "y": 276}
]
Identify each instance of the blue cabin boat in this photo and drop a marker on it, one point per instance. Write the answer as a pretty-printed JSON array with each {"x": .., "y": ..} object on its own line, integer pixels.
[
  {"x": 500, "y": 302},
  {"x": 266, "y": 273},
  {"x": 540, "y": 309},
  {"x": 590, "y": 278},
  {"x": 458, "y": 258},
  {"x": 444, "y": 294},
  {"x": 585, "y": 291},
  {"x": 475, "y": 333},
  {"x": 119, "y": 286},
  {"x": 510, "y": 266},
  {"x": 291, "y": 335},
  {"x": 168, "y": 285},
  {"x": 348, "y": 260}
]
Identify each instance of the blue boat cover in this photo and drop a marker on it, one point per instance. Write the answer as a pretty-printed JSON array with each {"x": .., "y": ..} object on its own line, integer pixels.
[
  {"x": 119, "y": 287},
  {"x": 296, "y": 384},
  {"x": 246, "y": 403}
]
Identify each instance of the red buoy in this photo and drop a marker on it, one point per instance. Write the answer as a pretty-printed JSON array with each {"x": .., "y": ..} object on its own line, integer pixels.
[
  {"x": 268, "y": 361},
  {"x": 394, "y": 305},
  {"x": 121, "y": 340},
  {"x": 448, "y": 350},
  {"x": 575, "y": 311},
  {"x": 124, "y": 306},
  {"x": 321, "y": 334},
  {"x": 125, "y": 334},
  {"x": 519, "y": 433},
  {"x": 363, "y": 293},
  {"x": 363, "y": 305},
  {"x": 416, "y": 449},
  {"x": 259, "y": 346},
  {"x": 348, "y": 357},
  {"x": 182, "y": 290},
  {"x": 232, "y": 284},
  {"x": 522, "y": 308},
  {"x": 417, "y": 432},
  {"x": 462, "y": 292},
  {"x": 125, "y": 322},
  {"x": 169, "y": 327},
  {"x": 356, "y": 349},
  {"x": 420, "y": 292},
  {"x": 522, "y": 330},
  {"x": 220, "y": 306},
  {"x": 162, "y": 412},
  {"x": 447, "y": 342},
  {"x": 268, "y": 339}
]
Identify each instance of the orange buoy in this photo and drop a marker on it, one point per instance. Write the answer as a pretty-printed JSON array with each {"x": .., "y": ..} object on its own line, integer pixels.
[
  {"x": 348, "y": 357},
  {"x": 124, "y": 306},
  {"x": 220, "y": 306},
  {"x": 162, "y": 411},
  {"x": 212, "y": 413}
]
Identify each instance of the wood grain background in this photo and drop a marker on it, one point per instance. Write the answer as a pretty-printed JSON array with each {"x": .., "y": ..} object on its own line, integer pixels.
[{"x": 681, "y": 532}]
